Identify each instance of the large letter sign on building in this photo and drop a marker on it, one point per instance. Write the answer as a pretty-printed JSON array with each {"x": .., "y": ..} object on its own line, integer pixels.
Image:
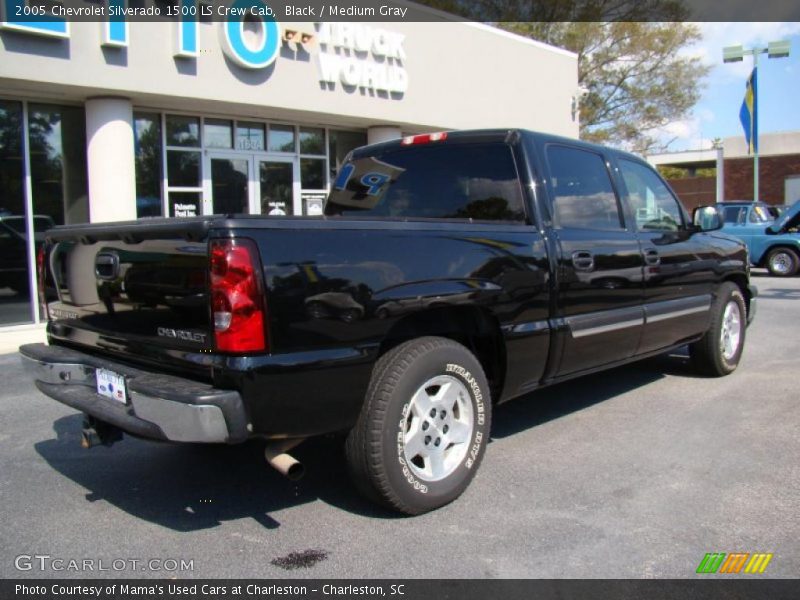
[
  {"x": 353, "y": 54},
  {"x": 374, "y": 58},
  {"x": 263, "y": 48}
]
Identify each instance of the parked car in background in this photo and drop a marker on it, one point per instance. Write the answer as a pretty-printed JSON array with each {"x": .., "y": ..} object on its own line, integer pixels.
[{"x": 773, "y": 243}]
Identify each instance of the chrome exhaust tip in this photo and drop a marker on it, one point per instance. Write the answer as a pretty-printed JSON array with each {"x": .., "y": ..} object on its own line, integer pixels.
[{"x": 284, "y": 463}]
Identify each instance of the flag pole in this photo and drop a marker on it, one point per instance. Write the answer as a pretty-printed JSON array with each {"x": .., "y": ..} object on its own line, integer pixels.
[
  {"x": 754, "y": 135},
  {"x": 779, "y": 49}
]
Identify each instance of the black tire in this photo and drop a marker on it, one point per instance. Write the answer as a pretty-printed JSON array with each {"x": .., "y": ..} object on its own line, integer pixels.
[
  {"x": 782, "y": 262},
  {"x": 377, "y": 453},
  {"x": 709, "y": 354}
]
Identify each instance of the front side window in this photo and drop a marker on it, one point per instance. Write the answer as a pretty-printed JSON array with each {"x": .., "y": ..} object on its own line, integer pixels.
[
  {"x": 760, "y": 214},
  {"x": 452, "y": 181},
  {"x": 583, "y": 197},
  {"x": 654, "y": 206}
]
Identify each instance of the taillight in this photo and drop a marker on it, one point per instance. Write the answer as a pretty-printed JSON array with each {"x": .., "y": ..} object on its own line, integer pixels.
[
  {"x": 238, "y": 305},
  {"x": 41, "y": 273},
  {"x": 425, "y": 138}
]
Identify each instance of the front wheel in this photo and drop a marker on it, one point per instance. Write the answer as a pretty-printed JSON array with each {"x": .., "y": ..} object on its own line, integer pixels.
[
  {"x": 782, "y": 262},
  {"x": 718, "y": 352},
  {"x": 423, "y": 428}
]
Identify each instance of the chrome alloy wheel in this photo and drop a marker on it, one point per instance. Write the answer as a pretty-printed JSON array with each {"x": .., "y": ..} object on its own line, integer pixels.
[
  {"x": 781, "y": 263},
  {"x": 731, "y": 334},
  {"x": 438, "y": 428}
]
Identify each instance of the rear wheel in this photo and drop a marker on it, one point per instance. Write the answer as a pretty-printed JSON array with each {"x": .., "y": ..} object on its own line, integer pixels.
[
  {"x": 718, "y": 352},
  {"x": 424, "y": 426},
  {"x": 782, "y": 262}
]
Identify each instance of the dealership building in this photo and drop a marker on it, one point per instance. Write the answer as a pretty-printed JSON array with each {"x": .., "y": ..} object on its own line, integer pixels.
[{"x": 108, "y": 121}]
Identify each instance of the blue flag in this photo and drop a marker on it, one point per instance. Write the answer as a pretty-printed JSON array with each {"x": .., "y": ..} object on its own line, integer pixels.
[{"x": 748, "y": 114}]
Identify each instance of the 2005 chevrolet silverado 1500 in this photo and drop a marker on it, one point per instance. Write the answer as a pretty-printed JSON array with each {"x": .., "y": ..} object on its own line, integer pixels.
[{"x": 451, "y": 272}]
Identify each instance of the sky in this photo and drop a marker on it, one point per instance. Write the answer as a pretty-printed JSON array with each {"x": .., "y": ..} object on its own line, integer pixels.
[{"x": 717, "y": 112}]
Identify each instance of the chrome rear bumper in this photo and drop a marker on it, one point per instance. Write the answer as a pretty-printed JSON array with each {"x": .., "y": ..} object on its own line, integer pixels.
[{"x": 159, "y": 406}]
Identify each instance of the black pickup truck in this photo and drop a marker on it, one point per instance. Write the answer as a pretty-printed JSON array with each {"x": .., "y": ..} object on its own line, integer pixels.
[{"x": 450, "y": 273}]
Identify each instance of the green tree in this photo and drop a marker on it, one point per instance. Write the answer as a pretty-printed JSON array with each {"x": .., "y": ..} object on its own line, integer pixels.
[
  {"x": 632, "y": 73},
  {"x": 633, "y": 76}
]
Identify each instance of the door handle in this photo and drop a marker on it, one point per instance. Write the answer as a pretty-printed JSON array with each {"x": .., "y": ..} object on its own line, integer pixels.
[
  {"x": 582, "y": 260},
  {"x": 651, "y": 257}
]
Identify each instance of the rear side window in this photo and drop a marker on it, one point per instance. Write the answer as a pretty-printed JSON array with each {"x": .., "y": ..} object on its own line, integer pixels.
[
  {"x": 452, "y": 181},
  {"x": 583, "y": 196}
]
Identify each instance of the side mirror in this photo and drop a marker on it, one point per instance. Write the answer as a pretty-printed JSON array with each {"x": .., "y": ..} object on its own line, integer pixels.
[{"x": 707, "y": 218}]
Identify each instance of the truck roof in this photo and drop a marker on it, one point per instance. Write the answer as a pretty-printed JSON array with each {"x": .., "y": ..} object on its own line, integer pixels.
[{"x": 488, "y": 135}]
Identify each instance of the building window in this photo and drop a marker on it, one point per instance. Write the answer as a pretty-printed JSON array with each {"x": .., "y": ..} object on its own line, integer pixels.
[
  {"x": 184, "y": 204},
  {"x": 281, "y": 138},
  {"x": 15, "y": 300},
  {"x": 250, "y": 136},
  {"x": 183, "y": 168},
  {"x": 217, "y": 133},
  {"x": 312, "y": 173},
  {"x": 312, "y": 141},
  {"x": 183, "y": 131},
  {"x": 147, "y": 152},
  {"x": 58, "y": 162},
  {"x": 183, "y": 164}
]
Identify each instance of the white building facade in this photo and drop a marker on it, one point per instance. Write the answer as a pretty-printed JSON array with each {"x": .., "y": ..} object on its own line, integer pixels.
[{"x": 107, "y": 122}]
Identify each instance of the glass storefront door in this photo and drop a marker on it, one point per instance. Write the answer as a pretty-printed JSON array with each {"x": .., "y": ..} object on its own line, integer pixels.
[
  {"x": 230, "y": 184},
  {"x": 277, "y": 183},
  {"x": 251, "y": 184}
]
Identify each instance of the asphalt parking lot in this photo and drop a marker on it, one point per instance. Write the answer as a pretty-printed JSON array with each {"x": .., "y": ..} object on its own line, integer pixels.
[{"x": 637, "y": 472}]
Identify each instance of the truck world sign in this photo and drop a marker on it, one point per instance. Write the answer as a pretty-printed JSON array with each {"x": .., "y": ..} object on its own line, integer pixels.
[{"x": 356, "y": 55}]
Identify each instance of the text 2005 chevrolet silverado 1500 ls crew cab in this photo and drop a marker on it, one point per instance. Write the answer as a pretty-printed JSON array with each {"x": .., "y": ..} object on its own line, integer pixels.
[{"x": 451, "y": 272}]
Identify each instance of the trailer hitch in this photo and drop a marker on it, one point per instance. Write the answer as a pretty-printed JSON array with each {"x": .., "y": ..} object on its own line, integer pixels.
[{"x": 96, "y": 432}]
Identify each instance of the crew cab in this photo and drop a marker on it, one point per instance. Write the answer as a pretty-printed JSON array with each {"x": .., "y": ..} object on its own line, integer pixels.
[
  {"x": 773, "y": 242},
  {"x": 450, "y": 273}
]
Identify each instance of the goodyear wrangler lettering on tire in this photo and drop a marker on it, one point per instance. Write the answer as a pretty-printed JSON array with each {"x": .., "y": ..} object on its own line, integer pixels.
[
  {"x": 421, "y": 434},
  {"x": 473, "y": 385},
  {"x": 473, "y": 453}
]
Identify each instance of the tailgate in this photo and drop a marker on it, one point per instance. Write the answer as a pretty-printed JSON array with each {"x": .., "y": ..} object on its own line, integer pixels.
[{"x": 137, "y": 290}]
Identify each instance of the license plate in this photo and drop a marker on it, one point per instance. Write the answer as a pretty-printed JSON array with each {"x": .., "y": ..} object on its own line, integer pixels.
[{"x": 111, "y": 385}]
